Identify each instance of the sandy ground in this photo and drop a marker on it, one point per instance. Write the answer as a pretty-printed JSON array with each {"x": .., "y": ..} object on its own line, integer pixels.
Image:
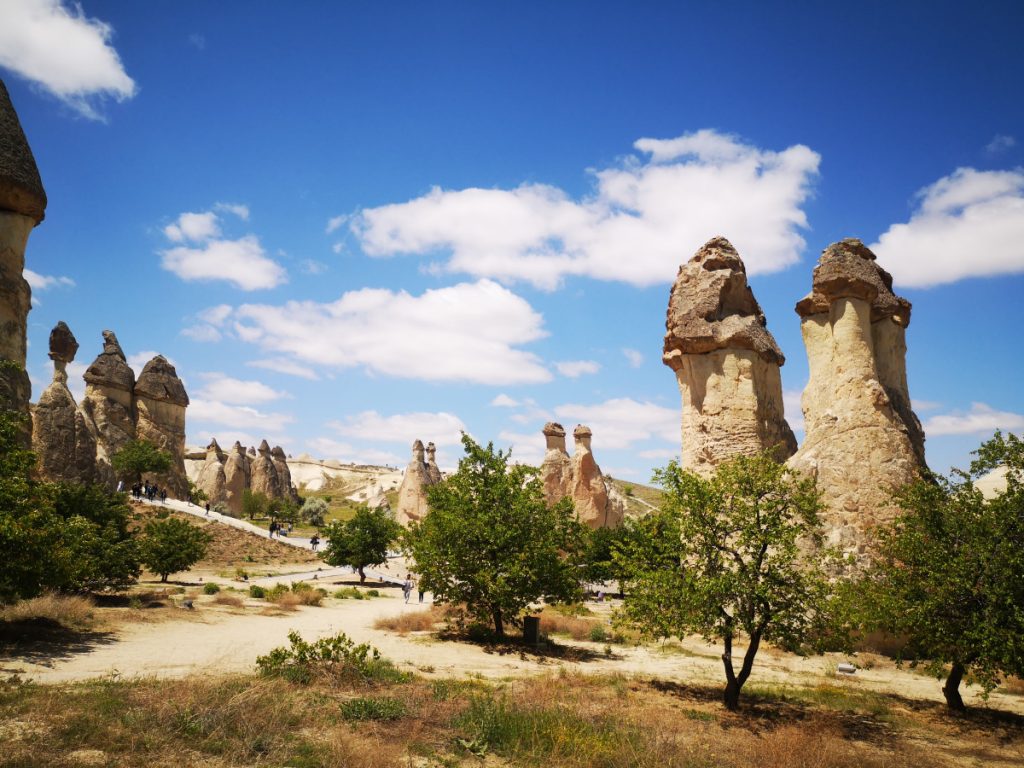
[{"x": 214, "y": 640}]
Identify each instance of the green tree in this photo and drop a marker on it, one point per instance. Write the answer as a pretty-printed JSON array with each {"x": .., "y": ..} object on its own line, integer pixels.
[
  {"x": 729, "y": 555},
  {"x": 361, "y": 541},
  {"x": 139, "y": 457},
  {"x": 171, "y": 545},
  {"x": 491, "y": 542},
  {"x": 949, "y": 575},
  {"x": 599, "y": 564},
  {"x": 255, "y": 504},
  {"x": 314, "y": 510}
]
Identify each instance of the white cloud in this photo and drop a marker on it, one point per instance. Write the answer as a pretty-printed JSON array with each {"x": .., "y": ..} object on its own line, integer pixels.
[
  {"x": 64, "y": 51},
  {"x": 924, "y": 405},
  {"x": 504, "y": 401},
  {"x": 285, "y": 366},
  {"x": 440, "y": 428},
  {"x": 211, "y": 320},
  {"x": 967, "y": 224},
  {"x": 573, "y": 369},
  {"x": 240, "y": 210},
  {"x": 621, "y": 422},
  {"x": 642, "y": 220},
  {"x": 526, "y": 448},
  {"x": 202, "y": 332},
  {"x": 346, "y": 453},
  {"x": 664, "y": 454},
  {"x": 635, "y": 358},
  {"x": 466, "y": 332},
  {"x": 201, "y": 411},
  {"x": 241, "y": 262},
  {"x": 44, "y": 282},
  {"x": 335, "y": 223},
  {"x": 1000, "y": 143},
  {"x": 138, "y": 361},
  {"x": 228, "y": 389},
  {"x": 794, "y": 411},
  {"x": 313, "y": 267},
  {"x": 980, "y": 419},
  {"x": 338, "y": 247},
  {"x": 196, "y": 227}
]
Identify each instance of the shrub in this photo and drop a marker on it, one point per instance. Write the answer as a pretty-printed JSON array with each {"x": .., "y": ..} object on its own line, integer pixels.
[
  {"x": 233, "y": 600},
  {"x": 255, "y": 590},
  {"x": 333, "y": 657},
  {"x": 373, "y": 709},
  {"x": 598, "y": 634},
  {"x": 373, "y": 593},
  {"x": 350, "y": 592},
  {"x": 71, "y": 612},
  {"x": 211, "y": 589}
]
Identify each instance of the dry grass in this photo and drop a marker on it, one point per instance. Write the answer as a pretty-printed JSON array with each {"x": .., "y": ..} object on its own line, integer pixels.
[
  {"x": 69, "y": 611},
  {"x": 416, "y": 621},
  {"x": 555, "y": 623},
  {"x": 1013, "y": 686},
  {"x": 232, "y": 601}
]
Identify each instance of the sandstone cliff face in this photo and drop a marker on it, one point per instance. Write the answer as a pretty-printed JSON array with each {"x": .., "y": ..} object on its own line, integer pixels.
[
  {"x": 412, "y": 496},
  {"x": 726, "y": 362},
  {"x": 22, "y": 206},
  {"x": 556, "y": 469},
  {"x": 160, "y": 402},
  {"x": 237, "y": 473},
  {"x": 109, "y": 403},
  {"x": 212, "y": 478},
  {"x": 432, "y": 469},
  {"x": 263, "y": 474},
  {"x": 284, "y": 475},
  {"x": 862, "y": 438},
  {"x": 64, "y": 446}
]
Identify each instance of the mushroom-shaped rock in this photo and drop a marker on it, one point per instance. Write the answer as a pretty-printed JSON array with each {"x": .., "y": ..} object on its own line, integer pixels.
[
  {"x": 412, "y": 496},
  {"x": 160, "y": 403},
  {"x": 237, "y": 473},
  {"x": 22, "y": 206},
  {"x": 263, "y": 474},
  {"x": 109, "y": 403},
  {"x": 432, "y": 469},
  {"x": 862, "y": 438},
  {"x": 726, "y": 362},
  {"x": 589, "y": 488},
  {"x": 556, "y": 469}
]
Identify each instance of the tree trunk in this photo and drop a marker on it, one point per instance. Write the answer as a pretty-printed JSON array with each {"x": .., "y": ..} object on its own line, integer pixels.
[
  {"x": 499, "y": 626},
  {"x": 951, "y": 690},
  {"x": 362, "y": 575},
  {"x": 731, "y": 698},
  {"x": 163, "y": 577}
]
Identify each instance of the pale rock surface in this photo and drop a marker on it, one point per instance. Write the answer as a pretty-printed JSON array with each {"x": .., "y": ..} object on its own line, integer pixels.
[
  {"x": 263, "y": 476},
  {"x": 237, "y": 473},
  {"x": 212, "y": 479},
  {"x": 412, "y": 496},
  {"x": 590, "y": 495},
  {"x": 160, "y": 403},
  {"x": 862, "y": 438},
  {"x": 556, "y": 469},
  {"x": 726, "y": 362},
  {"x": 64, "y": 446},
  {"x": 432, "y": 469},
  {"x": 284, "y": 475},
  {"x": 109, "y": 404}
]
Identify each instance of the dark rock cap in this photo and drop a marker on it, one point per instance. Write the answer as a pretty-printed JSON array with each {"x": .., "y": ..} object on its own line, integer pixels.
[
  {"x": 110, "y": 369},
  {"x": 159, "y": 381},
  {"x": 554, "y": 429},
  {"x": 21, "y": 189},
  {"x": 711, "y": 307},
  {"x": 278, "y": 452},
  {"x": 63, "y": 344},
  {"x": 264, "y": 448},
  {"x": 582, "y": 431},
  {"x": 848, "y": 270}
]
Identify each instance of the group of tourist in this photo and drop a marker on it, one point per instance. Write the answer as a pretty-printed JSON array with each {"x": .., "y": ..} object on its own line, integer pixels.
[
  {"x": 150, "y": 491},
  {"x": 279, "y": 529},
  {"x": 408, "y": 585}
]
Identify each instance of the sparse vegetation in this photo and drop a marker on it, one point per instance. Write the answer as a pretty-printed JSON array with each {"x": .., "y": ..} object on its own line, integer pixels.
[
  {"x": 415, "y": 621},
  {"x": 172, "y": 545},
  {"x": 137, "y": 458},
  {"x": 362, "y": 541},
  {"x": 336, "y": 658}
]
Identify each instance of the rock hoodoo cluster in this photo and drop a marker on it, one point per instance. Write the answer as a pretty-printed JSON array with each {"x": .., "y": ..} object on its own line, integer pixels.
[
  {"x": 22, "y": 207},
  {"x": 579, "y": 478},
  {"x": 862, "y": 438},
  {"x": 726, "y": 362},
  {"x": 224, "y": 477},
  {"x": 412, "y": 495}
]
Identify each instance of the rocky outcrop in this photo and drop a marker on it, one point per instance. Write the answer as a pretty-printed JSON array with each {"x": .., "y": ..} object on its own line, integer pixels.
[
  {"x": 556, "y": 469},
  {"x": 212, "y": 478},
  {"x": 284, "y": 475},
  {"x": 237, "y": 474},
  {"x": 412, "y": 496},
  {"x": 726, "y": 362},
  {"x": 432, "y": 469},
  {"x": 64, "y": 446},
  {"x": 22, "y": 207},
  {"x": 862, "y": 438},
  {"x": 109, "y": 403},
  {"x": 263, "y": 474},
  {"x": 160, "y": 402}
]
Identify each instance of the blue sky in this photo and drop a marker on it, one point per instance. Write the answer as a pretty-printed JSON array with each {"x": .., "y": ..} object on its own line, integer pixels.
[{"x": 351, "y": 225}]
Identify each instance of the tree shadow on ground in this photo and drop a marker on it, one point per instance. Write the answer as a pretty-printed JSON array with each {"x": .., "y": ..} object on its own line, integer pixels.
[
  {"x": 512, "y": 645},
  {"x": 45, "y": 642}
]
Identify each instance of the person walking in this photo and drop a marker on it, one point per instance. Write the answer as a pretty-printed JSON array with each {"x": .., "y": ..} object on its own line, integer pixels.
[
  {"x": 314, "y": 542},
  {"x": 407, "y": 587}
]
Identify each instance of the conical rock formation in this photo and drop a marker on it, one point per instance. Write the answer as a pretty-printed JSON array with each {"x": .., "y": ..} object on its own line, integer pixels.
[
  {"x": 726, "y": 362},
  {"x": 109, "y": 403},
  {"x": 556, "y": 469},
  {"x": 237, "y": 473},
  {"x": 284, "y": 474},
  {"x": 212, "y": 478},
  {"x": 412, "y": 496},
  {"x": 160, "y": 402},
  {"x": 432, "y": 469},
  {"x": 263, "y": 474},
  {"x": 590, "y": 495}
]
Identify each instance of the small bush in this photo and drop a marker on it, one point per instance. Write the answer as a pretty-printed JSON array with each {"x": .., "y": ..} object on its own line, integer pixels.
[
  {"x": 598, "y": 634},
  {"x": 232, "y": 600},
  {"x": 69, "y": 611},
  {"x": 351, "y": 592},
  {"x": 255, "y": 590},
  {"x": 417, "y": 621},
  {"x": 373, "y": 593},
  {"x": 373, "y": 709},
  {"x": 333, "y": 657},
  {"x": 211, "y": 589}
]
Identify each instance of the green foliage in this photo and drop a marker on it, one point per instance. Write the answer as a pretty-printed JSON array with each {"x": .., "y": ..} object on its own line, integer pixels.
[
  {"x": 172, "y": 545},
  {"x": 598, "y": 561},
  {"x": 491, "y": 542},
  {"x": 362, "y": 541},
  {"x": 284, "y": 510},
  {"x": 197, "y": 494},
  {"x": 139, "y": 457},
  {"x": 950, "y": 573},
  {"x": 335, "y": 657},
  {"x": 314, "y": 510},
  {"x": 382, "y": 709},
  {"x": 211, "y": 589},
  {"x": 256, "y": 591},
  {"x": 722, "y": 557},
  {"x": 351, "y": 592},
  {"x": 255, "y": 504}
]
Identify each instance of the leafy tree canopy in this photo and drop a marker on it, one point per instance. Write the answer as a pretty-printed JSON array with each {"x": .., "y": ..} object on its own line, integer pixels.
[
  {"x": 255, "y": 504},
  {"x": 723, "y": 556},
  {"x": 171, "y": 545},
  {"x": 139, "y": 457},
  {"x": 362, "y": 541},
  {"x": 491, "y": 542},
  {"x": 314, "y": 510}
]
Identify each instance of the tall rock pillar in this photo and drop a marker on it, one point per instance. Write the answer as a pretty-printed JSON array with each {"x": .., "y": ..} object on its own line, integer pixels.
[
  {"x": 590, "y": 496},
  {"x": 160, "y": 401},
  {"x": 862, "y": 438},
  {"x": 556, "y": 470},
  {"x": 212, "y": 479},
  {"x": 433, "y": 470},
  {"x": 284, "y": 474},
  {"x": 22, "y": 206},
  {"x": 412, "y": 496},
  {"x": 263, "y": 477},
  {"x": 726, "y": 362},
  {"x": 237, "y": 474},
  {"x": 109, "y": 404}
]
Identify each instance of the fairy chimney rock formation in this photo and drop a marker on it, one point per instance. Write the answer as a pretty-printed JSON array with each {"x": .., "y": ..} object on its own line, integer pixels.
[
  {"x": 263, "y": 476},
  {"x": 237, "y": 475},
  {"x": 432, "y": 469},
  {"x": 589, "y": 488},
  {"x": 109, "y": 402},
  {"x": 556, "y": 469},
  {"x": 284, "y": 474},
  {"x": 862, "y": 438},
  {"x": 22, "y": 206},
  {"x": 726, "y": 362},
  {"x": 212, "y": 478},
  {"x": 160, "y": 403},
  {"x": 412, "y": 496},
  {"x": 64, "y": 446}
]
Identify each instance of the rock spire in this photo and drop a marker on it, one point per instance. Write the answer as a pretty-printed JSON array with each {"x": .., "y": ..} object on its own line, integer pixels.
[
  {"x": 412, "y": 496},
  {"x": 237, "y": 474},
  {"x": 726, "y": 362},
  {"x": 556, "y": 469},
  {"x": 212, "y": 478},
  {"x": 579, "y": 478},
  {"x": 160, "y": 402},
  {"x": 263, "y": 474},
  {"x": 432, "y": 469},
  {"x": 109, "y": 403}
]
